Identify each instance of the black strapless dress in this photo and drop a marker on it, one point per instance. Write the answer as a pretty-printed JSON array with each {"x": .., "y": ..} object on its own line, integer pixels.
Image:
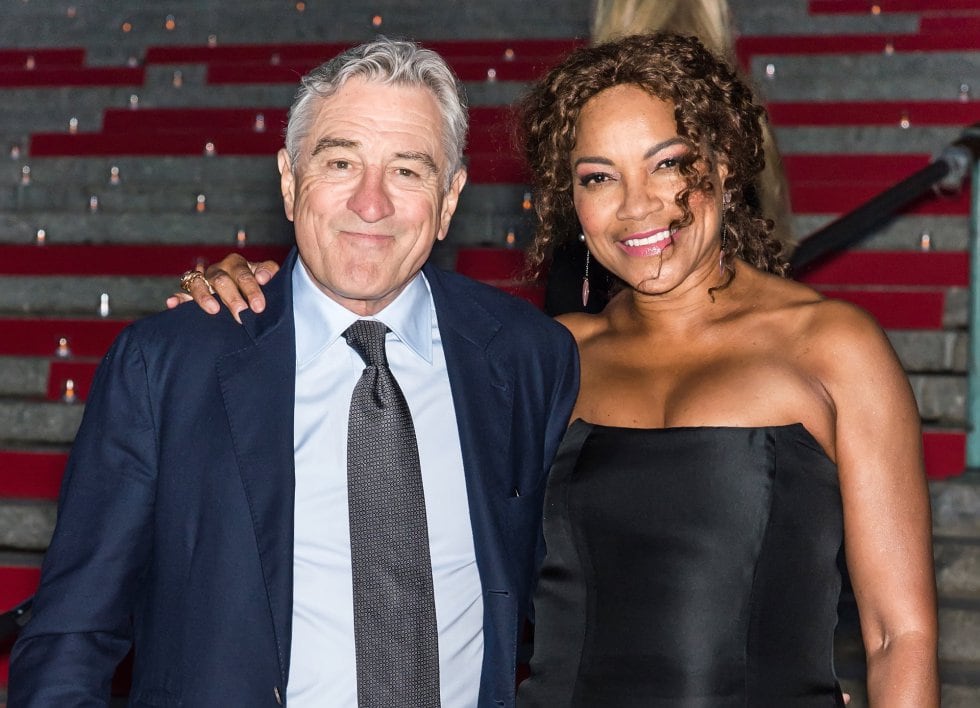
[{"x": 688, "y": 567}]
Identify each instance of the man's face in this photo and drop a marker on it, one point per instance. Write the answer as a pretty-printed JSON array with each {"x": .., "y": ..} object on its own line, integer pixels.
[{"x": 366, "y": 196}]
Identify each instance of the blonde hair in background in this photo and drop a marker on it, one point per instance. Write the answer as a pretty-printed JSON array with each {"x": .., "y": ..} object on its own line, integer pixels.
[{"x": 710, "y": 22}]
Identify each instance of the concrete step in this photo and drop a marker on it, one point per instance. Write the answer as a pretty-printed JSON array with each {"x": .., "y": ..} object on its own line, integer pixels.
[
  {"x": 956, "y": 506},
  {"x": 926, "y": 75}
]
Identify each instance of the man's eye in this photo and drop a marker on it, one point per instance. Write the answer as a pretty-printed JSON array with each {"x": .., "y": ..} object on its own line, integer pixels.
[
  {"x": 340, "y": 164},
  {"x": 405, "y": 172}
]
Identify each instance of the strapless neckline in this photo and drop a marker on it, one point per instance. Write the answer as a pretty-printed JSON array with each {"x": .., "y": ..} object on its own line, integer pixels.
[{"x": 807, "y": 437}]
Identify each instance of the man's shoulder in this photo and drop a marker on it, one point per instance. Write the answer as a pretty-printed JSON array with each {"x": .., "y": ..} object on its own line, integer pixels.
[
  {"x": 464, "y": 293},
  {"x": 187, "y": 327}
]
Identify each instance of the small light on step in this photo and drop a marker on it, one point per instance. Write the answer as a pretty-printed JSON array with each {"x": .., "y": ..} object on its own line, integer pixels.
[
  {"x": 71, "y": 12},
  {"x": 511, "y": 238},
  {"x": 73, "y": 125},
  {"x": 25, "y": 175},
  {"x": 15, "y": 151},
  {"x": 68, "y": 396},
  {"x": 64, "y": 350},
  {"x": 376, "y": 21},
  {"x": 178, "y": 79},
  {"x": 259, "y": 125},
  {"x": 41, "y": 237},
  {"x": 209, "y": 149},
  {"x": 104, "y": 305},
  {"x": 134, "y": 101},
  {"x": 770, "y": 70},
  {"x": 300, "y": 6},
  {"x": 526, "y": 203},
  {"x": 875, "y": 9},
  {"x": 114, "y": 175},
  {"x": 202, "y": 204},
  {"x": 127, "y": 27},
  {"x": 30, "y": 63},
  {"x": 925, "y": 241},
  {"x": 964, "y": 92},
  {"x": 275, "y": 59},
  {"x": 889, "y": 47},
  {"x": 170, "y": 23},
  {"x": 212, "y": 40},
  {"x": 93, "y": 204},
  {"x": 508, "y": 54},
  {"x": 132, "y": 62},
  {"x": 904, "y": 123},
  {"x": 491, "y": 75},
  {"x": 240, "y": 237}
]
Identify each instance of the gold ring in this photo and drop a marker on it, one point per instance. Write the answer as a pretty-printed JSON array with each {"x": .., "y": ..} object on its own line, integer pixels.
[{"x": 189, "y": 277}]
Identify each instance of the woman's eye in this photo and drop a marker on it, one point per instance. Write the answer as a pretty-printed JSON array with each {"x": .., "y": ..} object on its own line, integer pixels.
[
  {"x": 593, "y": 178},
  {"x": 668, "y": 163}
]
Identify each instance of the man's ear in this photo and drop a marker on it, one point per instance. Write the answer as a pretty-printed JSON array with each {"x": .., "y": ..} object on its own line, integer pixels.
[
  {"x": 450, "y": 201},
  {"x": 287, "y": 182}
]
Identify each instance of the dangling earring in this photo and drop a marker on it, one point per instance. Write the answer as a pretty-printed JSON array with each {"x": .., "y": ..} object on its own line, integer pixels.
[
  {"x": 585, "y": 279},
  {"x": 726, "y": 201}
]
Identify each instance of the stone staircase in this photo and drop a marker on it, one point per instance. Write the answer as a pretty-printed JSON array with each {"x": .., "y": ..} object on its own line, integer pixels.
[{"x": 838, "y": 150}]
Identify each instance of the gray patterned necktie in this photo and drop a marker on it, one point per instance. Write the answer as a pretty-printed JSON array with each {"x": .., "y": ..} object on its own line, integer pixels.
[{"x": 395, "y": 632}]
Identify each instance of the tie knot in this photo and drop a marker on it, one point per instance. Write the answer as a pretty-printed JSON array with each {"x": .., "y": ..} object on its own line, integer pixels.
[{"x": 367, "y": 338}]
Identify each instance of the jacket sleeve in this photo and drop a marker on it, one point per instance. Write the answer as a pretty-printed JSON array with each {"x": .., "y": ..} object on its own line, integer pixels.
[{"x": 81, "y": 626}]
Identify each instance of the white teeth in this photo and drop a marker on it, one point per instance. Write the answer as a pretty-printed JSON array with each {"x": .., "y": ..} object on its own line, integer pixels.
[{"x": 648, "y": 240}]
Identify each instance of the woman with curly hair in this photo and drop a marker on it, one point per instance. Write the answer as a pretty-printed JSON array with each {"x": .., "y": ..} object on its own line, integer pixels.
[{"x": 730, "y": 422}]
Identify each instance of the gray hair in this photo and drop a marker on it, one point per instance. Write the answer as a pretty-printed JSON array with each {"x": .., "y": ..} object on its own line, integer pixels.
[{"x": 389, "y": 62}]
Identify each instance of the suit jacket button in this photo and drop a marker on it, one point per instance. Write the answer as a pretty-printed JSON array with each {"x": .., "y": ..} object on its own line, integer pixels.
[{"x": 275, "y": 690}]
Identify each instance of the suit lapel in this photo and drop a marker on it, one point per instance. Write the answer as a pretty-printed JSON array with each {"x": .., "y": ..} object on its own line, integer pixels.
[
  {"x": 257, "y": 386},
  {"x": 483, "y": 398}
]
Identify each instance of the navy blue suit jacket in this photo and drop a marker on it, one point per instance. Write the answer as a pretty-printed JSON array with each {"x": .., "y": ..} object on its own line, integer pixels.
[{"x": 175, "y": 526}]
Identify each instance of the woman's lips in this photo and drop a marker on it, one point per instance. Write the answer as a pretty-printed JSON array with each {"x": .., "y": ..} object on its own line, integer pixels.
[{"x": 649, "y": 244}]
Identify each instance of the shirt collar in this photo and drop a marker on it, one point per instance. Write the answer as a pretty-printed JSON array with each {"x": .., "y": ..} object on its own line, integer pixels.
[{"x": 320, "y": 321}]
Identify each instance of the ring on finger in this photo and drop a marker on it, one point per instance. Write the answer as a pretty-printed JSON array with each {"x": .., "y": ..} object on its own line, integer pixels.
[{"x": 188, "y": 278}]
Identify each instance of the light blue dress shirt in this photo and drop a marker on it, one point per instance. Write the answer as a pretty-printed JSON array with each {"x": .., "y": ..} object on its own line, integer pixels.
[{"x": 322, "y": 664}]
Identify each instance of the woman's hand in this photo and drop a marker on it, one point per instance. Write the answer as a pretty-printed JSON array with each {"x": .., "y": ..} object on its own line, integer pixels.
[{"x": 233, "y": 280}]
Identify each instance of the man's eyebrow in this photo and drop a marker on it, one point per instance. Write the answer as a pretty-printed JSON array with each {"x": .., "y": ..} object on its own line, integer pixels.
[
  {"x": 423, "y": 157},
  {"x": 329, "y": 142}
]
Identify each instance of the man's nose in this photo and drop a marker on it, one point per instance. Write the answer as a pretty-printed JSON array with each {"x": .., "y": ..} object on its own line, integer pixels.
[{"x": 370, "y": 199}]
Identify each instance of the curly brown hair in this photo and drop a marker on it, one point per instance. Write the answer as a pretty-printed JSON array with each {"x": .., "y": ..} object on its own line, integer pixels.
[{"x": 715, "y": 113}]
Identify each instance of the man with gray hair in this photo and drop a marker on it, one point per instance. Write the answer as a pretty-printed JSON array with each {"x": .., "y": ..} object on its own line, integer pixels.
[{"x": 337, "y": 503}]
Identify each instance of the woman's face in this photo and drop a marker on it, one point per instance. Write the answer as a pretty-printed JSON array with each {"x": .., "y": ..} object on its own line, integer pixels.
[{"x": 625, "y": 175}]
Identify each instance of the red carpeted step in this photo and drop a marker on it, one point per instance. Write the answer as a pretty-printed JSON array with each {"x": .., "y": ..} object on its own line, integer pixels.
[
  {"x": 865, "y": 7},
  {"x": 747, "y": 47},
  {"x": 897, "y": 309},
  {"x": 193, "y": 120},
  {"x": 40, "y": 337},
  {"x": 884, "y": 268},
  {"x": 489, "y": 263},
  {"x": 79, "y": 372},
  {"x": 71, "y": 76},
  {"x": 31, "y": 475},
  {"x": 224, "y": 142},
  {"x": 944, "y": 453},
  {"x": 841, "y": 113},
  {"x": 109, "y": 259},
  {"x": 17, "y": 583},
  {"x": 42, "y": 57},
  {"x": 883, "y": 170}
]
